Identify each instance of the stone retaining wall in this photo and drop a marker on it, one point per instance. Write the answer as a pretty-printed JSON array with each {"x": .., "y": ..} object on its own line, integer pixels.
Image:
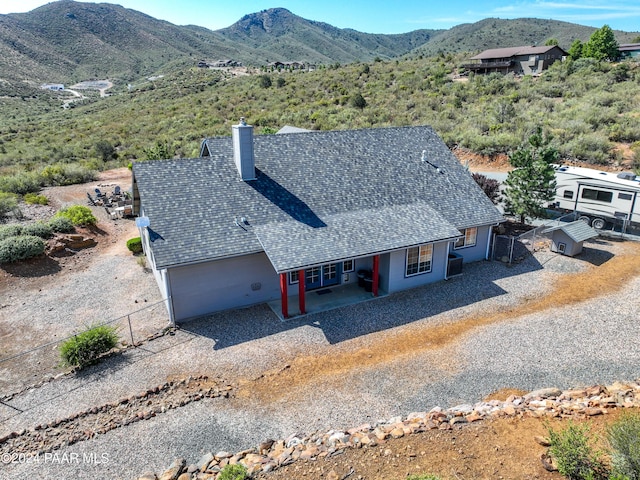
[{"x": 271, "y": 454}]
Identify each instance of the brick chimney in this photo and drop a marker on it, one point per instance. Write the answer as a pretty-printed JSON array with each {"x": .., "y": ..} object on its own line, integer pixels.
[{"x": 243, "y": 150}]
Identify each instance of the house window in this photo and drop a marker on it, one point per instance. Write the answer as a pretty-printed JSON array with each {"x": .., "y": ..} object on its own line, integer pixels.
[
  {"x": 330, "y": 272},
  {"x": 348, "y": 266},
  {"x": 568, "y": 194},
  {"x": 469, "y": 239},
  {"x": 312, "y": 275},
  {"x": 293, "y": 277},
  {"x": 599, "y": 195},
  {"x": 419, "y": 259}
]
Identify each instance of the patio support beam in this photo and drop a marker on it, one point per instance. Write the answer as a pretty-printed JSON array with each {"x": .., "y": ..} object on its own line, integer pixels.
[
  {"x": 301, "y": 295},
  {"x": 283, "y": 295},
  {"x": 376, "y": 270}
]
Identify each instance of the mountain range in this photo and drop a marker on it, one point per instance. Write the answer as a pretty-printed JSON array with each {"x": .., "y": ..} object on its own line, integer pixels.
[{"x": 68, "y": 41}]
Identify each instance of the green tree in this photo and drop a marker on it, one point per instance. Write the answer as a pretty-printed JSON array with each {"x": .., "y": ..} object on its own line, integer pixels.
[
  {"x": 160, "y": 151},
  {"x": 576, "y": 49},
  {"x": 602, "y": 45},
  {"x": 105, "y": 150},
  {"x": 531, "y": 184},
  {"x": 264, "y": 81},
  {"x": 358, "y": 101},
  {"x": 551, "y": 41}
]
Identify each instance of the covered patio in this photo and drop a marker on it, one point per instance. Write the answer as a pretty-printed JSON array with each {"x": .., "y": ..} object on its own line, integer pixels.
[{"x": 324, "y": 299}]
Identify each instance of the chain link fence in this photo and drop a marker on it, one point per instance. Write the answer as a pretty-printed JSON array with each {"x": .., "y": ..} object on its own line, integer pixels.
[
  {"x": 515, "y": 248},
  {"x": 39, "y": 364}
]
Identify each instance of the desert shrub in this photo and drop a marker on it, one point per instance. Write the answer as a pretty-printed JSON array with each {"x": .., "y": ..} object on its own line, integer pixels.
[
  {"x": 233, "y": 472},
  {"x": 12, "y": 230},
  {"x": 8, "y": 202},
  {"x": 623, "y": 437},
  {"x": 20, "y": 183},
  {"x": 14, "y": 249},
  {"x": 61, "y": 174},
  {"x": 61, "y": 225},
  {"x": 490, "y": 186},
  {"x": 85, "y": 348},
  {"x": 592, "y": 148},
  {"x": 78, "y": 215},
  {"x": 574, "y": 453},
  {"x": 135, "y": 245},
  {"x": 37, "y": 229},
  {"x": 35, "y": 199}
]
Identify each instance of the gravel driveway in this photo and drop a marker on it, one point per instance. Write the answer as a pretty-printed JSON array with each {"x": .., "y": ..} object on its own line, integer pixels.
[{"x": 338, "y": 369}]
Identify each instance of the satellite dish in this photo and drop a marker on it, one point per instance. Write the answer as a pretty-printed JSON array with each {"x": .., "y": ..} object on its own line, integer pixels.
[{"x": 142, "y": 222}]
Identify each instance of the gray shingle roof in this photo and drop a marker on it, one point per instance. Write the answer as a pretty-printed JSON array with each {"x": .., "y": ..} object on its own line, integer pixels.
[
  {"x": 318, "y": 197},
  {"x": 509, "y": 52},
  {"x": 578, "y": 231}
]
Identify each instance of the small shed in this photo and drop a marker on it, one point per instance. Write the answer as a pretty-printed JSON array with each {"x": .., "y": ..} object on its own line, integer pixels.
[{"x": 568, "y": 238}]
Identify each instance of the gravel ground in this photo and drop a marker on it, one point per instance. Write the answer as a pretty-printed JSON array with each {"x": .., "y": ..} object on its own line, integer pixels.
[{"x": 596, "y": 341}]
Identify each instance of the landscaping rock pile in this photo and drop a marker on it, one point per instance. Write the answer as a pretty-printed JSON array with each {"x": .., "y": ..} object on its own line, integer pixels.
[{"x": 271, "y": 454}]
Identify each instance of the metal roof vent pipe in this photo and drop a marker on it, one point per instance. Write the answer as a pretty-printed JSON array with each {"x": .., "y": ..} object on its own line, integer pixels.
[{"x": 243, "y": 150}]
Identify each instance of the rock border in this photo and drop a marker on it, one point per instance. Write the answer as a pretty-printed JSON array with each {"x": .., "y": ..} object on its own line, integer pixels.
[
  {"x": 272, "y": 454},
  {"x": 99, "y": 420}
]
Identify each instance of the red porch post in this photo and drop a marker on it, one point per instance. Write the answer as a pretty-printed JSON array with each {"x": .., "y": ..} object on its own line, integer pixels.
[
  {"x": 301, "y": 295},
  {"x": 376, "y": 269},
  {"x": 283, "y": 295}
]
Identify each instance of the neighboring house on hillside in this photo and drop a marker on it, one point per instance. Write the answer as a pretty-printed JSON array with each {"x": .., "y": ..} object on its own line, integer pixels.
[
  {"x": 629, "y": 50},
  {"x": 56, "y": 87},
  {"x": 518, "y": 60},
  {"x": 289, "y": 66},
  {"x": 265, "y": 218}
]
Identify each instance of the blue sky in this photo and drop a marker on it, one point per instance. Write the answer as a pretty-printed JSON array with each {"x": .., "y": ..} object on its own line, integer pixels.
[{"x": 379, "y": 16}]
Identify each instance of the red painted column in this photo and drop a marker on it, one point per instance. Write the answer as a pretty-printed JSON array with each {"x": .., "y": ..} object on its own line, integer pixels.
[
  {"x": 376, "y": 269},
  {"x": 301, "y": 295},
  {"x": 283, "y": 295}
]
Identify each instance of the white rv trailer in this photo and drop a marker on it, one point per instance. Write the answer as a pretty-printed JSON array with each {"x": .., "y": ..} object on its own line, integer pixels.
[{"x": 598, "y": 197}]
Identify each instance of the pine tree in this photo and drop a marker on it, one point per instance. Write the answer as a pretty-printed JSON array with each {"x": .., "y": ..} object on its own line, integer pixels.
[{"x": 531, "y": 184}]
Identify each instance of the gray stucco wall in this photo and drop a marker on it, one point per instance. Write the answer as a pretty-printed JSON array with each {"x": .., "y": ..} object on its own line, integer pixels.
[
  {"x": 397, "y": 267},
  {"x": 476, "y": 252},
  {"x": 230, "y": 283}
]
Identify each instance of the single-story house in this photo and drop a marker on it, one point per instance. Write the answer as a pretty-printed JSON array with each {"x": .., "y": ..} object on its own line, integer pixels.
[
  {"x": 56, "y": 87},
  {"x": 268, "y": 217},
  {"x": 528, "y": 60},
  {"x": 629, "y": 50},
  {"x": 568, "y": 238}
]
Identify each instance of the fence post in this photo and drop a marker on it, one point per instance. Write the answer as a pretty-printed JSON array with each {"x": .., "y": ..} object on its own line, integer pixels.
[
  {"x": 131, "y": 330},
  {"x": 513, "y": 241}
]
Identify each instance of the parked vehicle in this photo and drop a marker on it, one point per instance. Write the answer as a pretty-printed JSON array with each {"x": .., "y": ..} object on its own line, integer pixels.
[{"x": 598, "y": 197}]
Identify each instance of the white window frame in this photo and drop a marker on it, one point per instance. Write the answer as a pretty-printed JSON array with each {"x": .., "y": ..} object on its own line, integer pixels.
[
  {"x": 422, "y": 265},
  {"x": 469, "y": 240},
  {"x": 347, "y": 270},
  {"x": 291, "y": 277}
]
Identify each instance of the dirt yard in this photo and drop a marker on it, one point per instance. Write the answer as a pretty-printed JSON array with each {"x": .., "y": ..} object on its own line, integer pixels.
[{"x": 46, "y": 299}]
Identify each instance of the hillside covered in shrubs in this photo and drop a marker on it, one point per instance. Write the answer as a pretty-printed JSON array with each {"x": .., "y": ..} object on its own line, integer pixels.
[{"x": 590, "y": 108}]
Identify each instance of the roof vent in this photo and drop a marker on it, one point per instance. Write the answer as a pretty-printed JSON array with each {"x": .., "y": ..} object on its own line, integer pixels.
[{"x": 243, "y": 150}]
